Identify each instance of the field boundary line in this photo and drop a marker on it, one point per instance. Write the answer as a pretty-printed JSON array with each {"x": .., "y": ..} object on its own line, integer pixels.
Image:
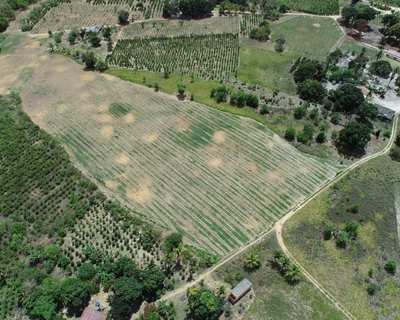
[{"x": 279, "y": 226}]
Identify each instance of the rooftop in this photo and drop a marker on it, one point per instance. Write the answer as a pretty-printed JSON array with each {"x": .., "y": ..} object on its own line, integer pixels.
[
  {"x": 90, "y": 314},
  {"x": 243, "y": 286},
  {"x": 385, "y": 112}
]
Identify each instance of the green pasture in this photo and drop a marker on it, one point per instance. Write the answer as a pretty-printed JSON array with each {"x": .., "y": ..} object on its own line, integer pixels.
[
  {"x": 306, "y": 36},
  {"x": 266, "y": 68}
]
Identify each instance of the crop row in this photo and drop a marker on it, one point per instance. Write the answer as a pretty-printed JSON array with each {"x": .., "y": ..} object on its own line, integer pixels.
[
  {"x": 249, "y": 22},
  {"x": 69, "y": 15},
  {"x": 211, "y": 57},
  {"x": 219, "y": 192},
  {"x": 322, "y": 7},
  {"x": 173, "y": 28},
  {"x": 153, "y": 10}
]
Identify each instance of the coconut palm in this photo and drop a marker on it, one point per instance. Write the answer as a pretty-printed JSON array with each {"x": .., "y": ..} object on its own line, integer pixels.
[
  {"x": 285, "y": 263},
  {"x": 222, "y": 290},
  {"x": 180, "y": 252},
  {"x": 278, "y": 254},
  {"x": 252, "y": 260},
  {"x": 379, "y": 55},
  {"x": 293, "y": 273}
]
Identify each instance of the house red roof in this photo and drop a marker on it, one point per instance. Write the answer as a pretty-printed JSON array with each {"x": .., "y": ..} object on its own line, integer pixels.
[{"x": 90, "y": 314}]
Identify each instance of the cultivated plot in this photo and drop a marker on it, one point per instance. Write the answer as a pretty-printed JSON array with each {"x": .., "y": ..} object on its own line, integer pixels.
[
  {"x": 206, "y": 56},
  {"x": 174, "y": 28},
  {"x": 218, "y": 178}
]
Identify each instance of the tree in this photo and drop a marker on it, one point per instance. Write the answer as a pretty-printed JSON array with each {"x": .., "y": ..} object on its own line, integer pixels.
[
  {"x": 82, "y": 33},
  {"x": 107, "y": 32},
  {"x": 366, "y": 13},
  {"x": 180, "y": 251},
  {"x": 382, "y": 41},
  {"x": 349, "y": 13},
  {"x": 101, "y": 65},
  {"x": 22, "y": 4},
  {"x": 290, "y": 133},
  {"x": 72, "y": 36},
  {"x": 221, "y": 290},
  {"x": 196, "y": 8},
  {"x": 309, "y": 70},
  {"x": 372, "y": 288},
  {"x": 86, "y": 272},
  {"x": 379, "y": 55},
  {"x": 170, "y": 8},
  {"x": 57, "y": 37},
  {"x": 309, "y": 129},
  {"x": 181, "y": 89},
  {"x": 44, "y": 308},
  {"x": 171, "y": 242},
  {"x": 311, "y": 90},
  {"x": 293, "y": 273},
  {"x": 95, "y": 40},
  {"x": 395, "y": 71},
  {"x": 123, "y": 16},
  {"x": 321, "y": 137},
  {"x": 89, "y": 59},
  {"x": 391, "y": 266},
  {"x": 355, "y": 135},
  {"x": 342, "y": 240},
  {"x": 389, "y": 20},
  {"x": 204, "y": 305},
  {"x": 393, "y": 31},
  {"x": 264, "y": 109},
  {"x": 380, "y": 68},
  {"x": 252, "y": 101},
  {"x": 278, "y": 255},
  {"x": 348, "y": 97},
  {"x": 152, "y": 279},
  {"x": 252, "y": 260},
  {"x": 125, "y": 267},
  {"x": 262, "y": 32},
  {"x": 300, "y": 111},
  {"x": 352, "y": 229},
  {"x": 367, "y": 111},
  {"x": 73, "y": 293}
]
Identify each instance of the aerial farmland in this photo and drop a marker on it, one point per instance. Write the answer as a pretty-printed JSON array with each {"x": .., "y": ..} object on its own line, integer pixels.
[{"x": 155, "y": 155}]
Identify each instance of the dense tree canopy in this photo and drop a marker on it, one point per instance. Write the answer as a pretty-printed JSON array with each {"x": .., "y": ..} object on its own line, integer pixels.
[
  {"x": 381, "y": 68},
  {"x": 311, "y": 90},
  {"x": 355, "y": 135},
  {"x": 171, "y": 242},
  {"x": 196, "y": 8},
  {"x": 348, "y": 97},
  {"x": 309, "y": 70},
  {"x": 204, "y": 305}
]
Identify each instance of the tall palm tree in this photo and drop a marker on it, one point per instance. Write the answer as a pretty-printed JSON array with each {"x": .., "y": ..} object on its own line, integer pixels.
[
  {"x": 252, "y": 260},
  {"x": 293, "y": 273},
  {"x": 180, "y": 252},
  {"x": 222, "y": 290},
  {"x": 285, "y": 263},
  {"x": 379, "y": 55},
  {"x": 278, "y": 254}
]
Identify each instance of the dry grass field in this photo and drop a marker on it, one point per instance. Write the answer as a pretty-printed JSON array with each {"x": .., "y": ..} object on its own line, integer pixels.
[{"x": 218, "y": 178}]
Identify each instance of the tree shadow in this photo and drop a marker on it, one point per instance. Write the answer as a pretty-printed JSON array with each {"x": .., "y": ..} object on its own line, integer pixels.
[
  {"x": 350, "y": 152},
  {"x": 181, "y": 97}
]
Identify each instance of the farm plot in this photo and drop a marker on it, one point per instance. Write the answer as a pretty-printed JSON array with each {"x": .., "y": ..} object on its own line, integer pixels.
[
  {"x": 310, "y": 37},
  {"x": 153, "y": 10},
  {"x": 78, "y": 15},
  {"x": 249, "y": 22},
  {"x": 208, "y": 56},
  {"x": 217, "y": 178},
  {"x": 174, "y": 28},
  {"x": 322, "y": 7}
]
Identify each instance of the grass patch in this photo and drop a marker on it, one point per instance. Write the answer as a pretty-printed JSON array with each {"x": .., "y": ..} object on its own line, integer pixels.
[
  {"x": 345, "y": 272},
  {"x": 310, "y": 37},
  {"x": 266, "y": 68},
  {"x": 275, "y": 298},
  {"x": 10, "y": 44}
]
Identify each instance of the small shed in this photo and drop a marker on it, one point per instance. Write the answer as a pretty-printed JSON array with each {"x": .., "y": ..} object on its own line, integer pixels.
[
  {"x": 90, "y": 314},
  {"x": 240, "y": 290},
  {"x": 94, "y": 29},
  {"x": 364, "y": 90},
  {"x": 385, "y": 113}
]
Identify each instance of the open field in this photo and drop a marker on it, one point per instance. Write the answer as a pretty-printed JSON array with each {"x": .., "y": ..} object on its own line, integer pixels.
[
  {"x": 272, "y": 296},
  {"x": 182, "y": 164},
  {"x": 348, "y": 272},
  {"x": 174, "y": 28},
  {"x": 207, "y": 56},
  {"x": 306, "y": 36},
  {"x": 77, "y": 15},
  {"x": 266, "y": 68}
]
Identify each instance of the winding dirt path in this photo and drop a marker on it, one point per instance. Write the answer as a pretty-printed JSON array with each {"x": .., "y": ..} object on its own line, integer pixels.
[{"x": 278, "y": 228}]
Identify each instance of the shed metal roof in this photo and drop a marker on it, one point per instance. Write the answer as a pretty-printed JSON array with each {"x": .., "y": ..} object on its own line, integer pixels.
[{"x": 243, "y": 286}]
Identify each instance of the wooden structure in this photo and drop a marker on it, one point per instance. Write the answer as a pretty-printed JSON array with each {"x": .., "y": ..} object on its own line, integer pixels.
[
  {"x": 239, "y": 291},
  {"x": 90, "y": 314}
]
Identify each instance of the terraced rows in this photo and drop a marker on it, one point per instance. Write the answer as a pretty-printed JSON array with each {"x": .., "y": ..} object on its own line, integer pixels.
[
  {"x": 218, "y": 178},
  {"x": 174, "y": 28}
]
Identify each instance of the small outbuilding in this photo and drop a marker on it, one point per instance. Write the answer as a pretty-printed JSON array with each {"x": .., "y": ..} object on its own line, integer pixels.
[
  {"x": 94, "y": 29},
  {"x": 239, "y": 291},
  {"x": 385, "y": 113},
  {"x": 90, "y": 314}
]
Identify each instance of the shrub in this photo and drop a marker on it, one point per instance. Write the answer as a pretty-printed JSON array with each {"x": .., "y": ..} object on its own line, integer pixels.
[
  {"x": 101, "y": 65},
  {"x": 321, "y": 137},
  {"x": 300, "y": 111},
  {"x": 302, "y": 137},
  {"x": 353, "y": 208},
  {"x": 372, "y": 288},
  {"x": 352, "y": 229},
  {"x": 391, "y": 266},
  {"x": 264, "y": 109},
  {"x": 342, "y": 240},
  {"x": 290, "y": 133},
  {"x": 328, "y": 232}
]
